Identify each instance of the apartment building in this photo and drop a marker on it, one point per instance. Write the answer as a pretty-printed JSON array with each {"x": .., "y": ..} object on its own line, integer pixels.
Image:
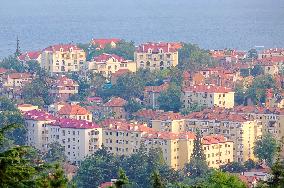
[
  {"x": 37, "y": 131},
  {"x": 218, "y": 150},
  {"x": 208, "y": 96},
  {"x": 157, "y": 56},
  {"x": 108, "y": 64},
  {"x": 273, "y": 52},
  {"x": 151, "y": 94},
  {"x": 123, "y": 138},
  {"x": 78, "y": 137},
  {"x": 74, "y": 111},
  {"x": 240, "y": 129},
  {"x": 63, "y": 88},
  {"x": 63, "y": 58}
]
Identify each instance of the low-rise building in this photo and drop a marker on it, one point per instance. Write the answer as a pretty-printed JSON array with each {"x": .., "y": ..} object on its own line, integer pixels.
[
  {"x": 14, "y": 80},
  {"x": 30, "y": 56},
  {"x": 102, "y": 43},
  {"x": 115, "y": 108},
  {"x": 74, "y": 111},
  {"x": 157, "y": 56},
  {"x": 208, "y": 96},
  {"x": 63, "y": 88}
]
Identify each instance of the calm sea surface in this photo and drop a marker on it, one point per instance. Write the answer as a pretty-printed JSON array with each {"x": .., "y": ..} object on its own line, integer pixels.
[{"x": 238, "y": 24}]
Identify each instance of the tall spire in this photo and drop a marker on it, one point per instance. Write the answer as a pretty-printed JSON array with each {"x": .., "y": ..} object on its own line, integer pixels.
[{"x": 18, "y": 51}]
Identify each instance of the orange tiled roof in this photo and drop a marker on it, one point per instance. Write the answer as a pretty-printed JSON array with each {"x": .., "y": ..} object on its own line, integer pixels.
[
  {"x": 116, "y": 102},
  {"x": 156, "y": 89},
  {"x": 20, "y": 76},
  {"x": 73, "y": 110},
  {"x": 213, "y": 139}
]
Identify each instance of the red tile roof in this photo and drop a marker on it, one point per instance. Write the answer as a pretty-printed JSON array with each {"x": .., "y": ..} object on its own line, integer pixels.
[
  {"x": 156, "y": 47},
  {"x": 116, "y": 102},
  {"x": 170, "y": 135},
  {"x": 273, "y": 50},
  {"x": 103, "y": 42},
  {"x": 213, "y": 139},
  {"x": 20, "y": 76},
  {"x": 3, "y": 71},
  {"x": 74, "y": 124},
  {"x": 105, "y": 57},
  {"x": 158, "y": 115},
  {"x": 38, "y": 115},
  {"x": 64, "y": 47},
  {"x": 208, "y": 89},
  {"x": 156, "y": 89},
  {"x": 30, "y": 56},
  {"x": 120, "y": 72},
  {"x": 65, "y": 81},
  {"x": 106, "y": 185},
  {"x": 70, "y": 109}
]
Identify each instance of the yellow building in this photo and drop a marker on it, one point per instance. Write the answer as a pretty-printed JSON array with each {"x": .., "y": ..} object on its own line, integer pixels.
[
  {"x": 218, "y": 150},
  {"x": 63, "y": 58},
  {"x": 208, "y": 96},
  {"x": 107, "y": 64},
  {"x": 240, "y": 129},
  {"x": 157, "y": 56}
]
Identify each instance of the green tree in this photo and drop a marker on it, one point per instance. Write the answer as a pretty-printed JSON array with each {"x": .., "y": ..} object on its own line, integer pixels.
[
  {"x": 250, "y": 164},
  {"x": 156, "y": 180},
  {"x": 239, "y": 94},
  {"x": 195, "y": 107},
  {"x": 257, "y": 70},
  {"x": 222, "y": 179},
  {"x": 36, "y": 92},
  {"x": 169, "y": 100},
  {"x": 12, "y": 63},
  {"x": 257, "y": 91},
  {"x": 122, "y": 180},
  {"x": 197, "y": 167},
  {"x": 266, "y": 149},
  {"x": 132, "y": 106},
  {"x": 33, "y": 67},
  {"x": 252, "y": 54},
  {"x": 194, "y": 58},
  {"x": 55, "y": 153},
  {"x": 235, "y": 167}
]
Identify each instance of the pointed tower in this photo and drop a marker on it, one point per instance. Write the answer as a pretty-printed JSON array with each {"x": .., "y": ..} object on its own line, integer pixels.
[{"x": 18, "y": 51}]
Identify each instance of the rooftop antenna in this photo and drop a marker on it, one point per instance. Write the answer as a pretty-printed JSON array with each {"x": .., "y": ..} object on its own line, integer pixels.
[{"x": 18, "y": 51}]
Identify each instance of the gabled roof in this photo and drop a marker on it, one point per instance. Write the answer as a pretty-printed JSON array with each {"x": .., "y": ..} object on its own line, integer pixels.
[
  {"x": 64, "y": 47},
  {"x": 38, "y": 115},
  {"x": 34, "y": 55},
  {"x": 156, "y": 47},
  {"x": 64, "y": 81},
  {"x": 116, "y": 102},
  {"x": 207, "y": 89},
  {"x": 20, "y": 76},
  {"x": 156, "y": 89},
  {"x": 73, "y": 109},
  {"x": 105, "y": 57},
  {"x": 103, "y": 42},
  {"x": 74, "y": 124}
]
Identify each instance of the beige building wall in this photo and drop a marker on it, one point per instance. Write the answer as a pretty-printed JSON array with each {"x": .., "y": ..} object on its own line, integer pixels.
[
  {"x": 156, "y": 61},
  {"x": 78, "y": 143},
  {"x": 62, "y": 61}
]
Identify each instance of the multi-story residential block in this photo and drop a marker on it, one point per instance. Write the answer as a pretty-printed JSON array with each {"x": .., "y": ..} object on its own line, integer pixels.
[
  {"x": 115, "y": 108},
  {"x": 78, "y": 137},
  {"x": 151, "y": 94},
  {"x": 63, "y": 88},
  {"x": 102, "y": 43},
  {"x": 30, "y": 56},
  {"x": 157, "y": 56},
  {"x": 208, "y": 96},
  {"x": 63, "y": 58},
  {"x": 240, "y": 129},
  {"x": 37, "y": 131},
  {"x": 218, "y": 150},
  {"x": 74, "y": 111},
  {"x": 107, "y": 64}
]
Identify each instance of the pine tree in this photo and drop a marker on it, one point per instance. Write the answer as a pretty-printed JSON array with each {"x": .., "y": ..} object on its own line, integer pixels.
[
  {"x": 197, "y": 166},
  {"x": 123, "y": 180},
  {"x": 156, "y": 180}
]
